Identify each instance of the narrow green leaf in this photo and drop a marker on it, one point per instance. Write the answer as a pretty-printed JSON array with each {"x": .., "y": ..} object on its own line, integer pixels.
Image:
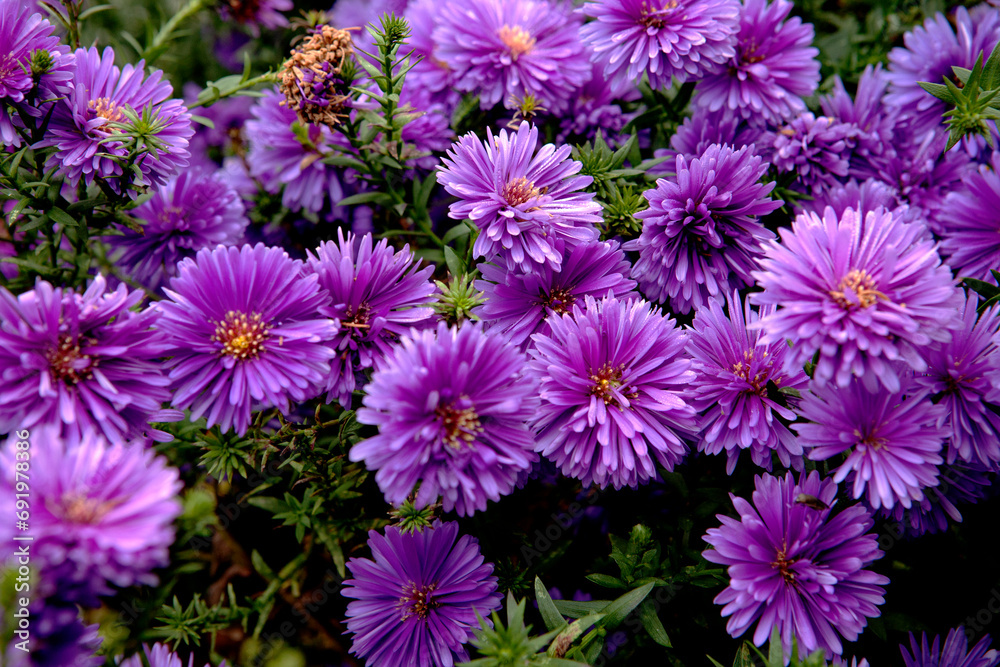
[
  {"x": 616, "y": 612},
  {"x": 455, "y": 265},
  {"x": 63, "y": 218},
  {"x": 201, "y": 120},
  {"x": 650, "y": 621},
  {"x": 575, "y": 609},
  {"x": 606, "y": 580},
  {"x": 380, "y": 198},
  {"x": 775, "y": 656},
  {"x": 553, "y": 619},
  {"x": 939, "y": 91}
]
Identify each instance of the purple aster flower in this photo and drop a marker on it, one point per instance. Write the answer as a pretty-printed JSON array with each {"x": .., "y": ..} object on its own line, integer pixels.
[
  {"x": 504, "y": 49},
  {"x": 417, "y": 602},
  {"x": 244, "y": 333},
  {"x": 741, "y": 387},
  {"x": 964, "y": 374},
  {"x": 873, "y": 124},
  {"x": 592, "y": 109},
  {"x": 255, "y": 14},
  {"x": 80, "y": 362},
  {"x": 430, "y": 75},
  {"x": 351, "y": 14},
  {"x": 958, "y": 484},
  {"x": 954, "y": 653},
  {"x": 103, "y": 514},
  {"x": 701, "y": 235},
  {"x": 892, "y": 440},
  {"x": 968, "y": 226},
  {"x": 518, "y": 304},
  {"x": 430, "y": 132},
  {"x": 526, "y": 204},
  {"x": 663, "y": 40},
  {"x": 451, "y": 408},
  {"x": 26, "y": 39},
  {"x": 816, "y": 150},
  {"x": 281, "y": 159},
  {"x": 192, "y": 211},
  {"x": 102, "y": 96},
  {"x": 228, "y": 116},
  {"x": 862, "y": 198},
  {"x": 159, "y": 655},
  {"x": 702, "y": 129},
  {"x": 612, "y": 380},
  {"x": 376, "y": 295},
  {"x": 931, "y": 51},
  {"x": 863, "y": 292},
  {"x": 58, "y": 637},
  {"x": 795, "y": 566},
  {"x": 774, "y": 67}
]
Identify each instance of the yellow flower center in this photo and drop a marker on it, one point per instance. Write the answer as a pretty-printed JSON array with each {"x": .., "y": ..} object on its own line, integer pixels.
[
  {"x": 861, "y": 285},
  {"x": 517, "y": 40},
  {"x": 519, "y": 191},
  {"x": 242, "y": 336}
]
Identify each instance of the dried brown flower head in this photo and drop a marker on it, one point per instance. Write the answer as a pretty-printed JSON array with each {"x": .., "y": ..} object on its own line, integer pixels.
[{"x": 311, "y": 78}]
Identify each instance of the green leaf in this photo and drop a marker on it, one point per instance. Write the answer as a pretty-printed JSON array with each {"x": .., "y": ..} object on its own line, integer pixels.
[
  {"x": 269, "y": 504},
  {"x": 380, "y": 198},
  {"x": 714, "y": 662},
  {"x": 86, "y": 13},
  {"x": 575, "y": 609},
  {"x": 939, "y": 91},
  {"x": 459, "y": 230},
  {"x": 553, "y": 619},
  {"x": 744, "y": 656},
  {"x": 775, "y": 656},
  {"x": 616, "y": 612},
  {"x": 456, "y": 266},
  {"x": 63, "y": 218},
  {"x": 201, "y": 120},
  {"x": 606, "y": 580},
  {"x": 650, "y": 621}
]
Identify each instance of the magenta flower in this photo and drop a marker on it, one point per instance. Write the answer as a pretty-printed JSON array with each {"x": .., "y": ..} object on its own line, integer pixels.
[
  {"x": 968, "y": 229},
  {"x": 814, "y": 149},
  {"x": 954, "y": 653}
]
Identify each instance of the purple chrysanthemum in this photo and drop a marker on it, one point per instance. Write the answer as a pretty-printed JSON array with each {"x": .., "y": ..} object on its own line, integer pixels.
[
  {"x": 430, "y": 132},
  {"x": 954, "y": 653},
  {"x": 519, "y": 304},
  {"x": 417, "y": 602},
  {"x": 376, "y": 294},
  {"x": 451, "y": 407},
  {"x": 593, "y": 110},
  {"x": 195, "y": 210},
  {"x": 58, "y": 637},
  {"x": 255, "y": 14},
  {"x": 862, "y": 198},
  {"x": 430, "y": 75},
  {"x": 504, "y": 49},
  {"x": 774, "y": 67},
  {"x": 103, "y": 94},
  {"x": 863, "y": 292},
  {"x": 872, "y": 123},
  {"x": 741, "y": 387},
  {"x": 958, "y": 484},
  {"x": 702, "y": 129},
  {"x": 969, "y": 222},
  {"x": 102, "y": 515},
  {"x": 281, "y": 160},
  {"x": 159, "y": 655},
  {"x": 965, "y": 374},
  {"x": 526, "y": 204},
  {"x": 814, "y": 149},
  {"x": 931, "y": 51},
  {"x": 661, "y": 39},
  {"x": 26, "y": 39},
  {"x": 80, "y": 362},
  {"x": 892, "y": 439},
  {"x": 612, "y": 380},
  {"x": 796, "y": 567},
  {"x": 701, "y": 235},
  {"x": 245, "y": 333}
]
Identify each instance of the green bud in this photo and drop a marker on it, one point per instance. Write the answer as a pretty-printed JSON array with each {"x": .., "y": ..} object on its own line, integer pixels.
[{"x": 41, "y": 62}]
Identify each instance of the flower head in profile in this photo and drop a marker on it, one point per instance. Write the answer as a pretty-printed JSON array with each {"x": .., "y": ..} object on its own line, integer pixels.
[
  {"x": 741, "y": 387},
  {"x": 954, "y": 653},
  {"x": 663, "y": 40},
  {"x": 773, "y": 69},
  {"x": 80, "y": 362},
  {"x": 527, "y": 204},
  {"x": 244, "y": 331},
  {"x": 968, "y": 229},
  {"x": 702, "y": 129},
  {"x": 865, "y": 292},
  {"x": 701, "y": 235},
  {"x": 194, "y": 210},
  {"x": 872, "y": 124},
  {"x": 892, "y": 440},
  {"x": 417, "y": 602},
  {"x": 518, "y": 304},
  {"x": 861, "y": 197},
  {"x": 377, "y": 295},
  {"x": 159, "y": 655},
  {"x": 959, "y": 484},
  {"x": 451, "y": 407},
  {"x": 107, "y": 101},
  {"x": 503, "y": 49},
  {"x": 796, "y": 566},
  {"x": 612, "y": 378},
  {"x": 814, "y": 149}
]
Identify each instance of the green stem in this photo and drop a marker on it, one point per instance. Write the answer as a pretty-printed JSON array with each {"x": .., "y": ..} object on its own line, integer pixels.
[
  {"x": 266, "y": 77},
  {"x": 166, "y": 32},
  {"x": 73, "y": 21}
]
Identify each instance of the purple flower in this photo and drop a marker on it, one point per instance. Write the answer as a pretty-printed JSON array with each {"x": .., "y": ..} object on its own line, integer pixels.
[
  {"x": 526, "y": 205},
  {"x": 873, "y": 124},
  {"x": 80, "y": 362},
  {"x": 892, "y": 439},
  {"x": 192, "y": 211},
  {"x": 814, "y": 149},
  {"x": 864, "y": 293},
  {"x": 702, "y": 129},
  {"x": 22, "y": 34},
  {"x": 701, "y": 236},
  {"x": 103, "y": 96},
  {"x": 612, "y": 380},
  {"x": 518, "y": 304},
  {"x": 862, "y": 198},
  {"x": 255, "y": 14},
  {"x": 58, "y": 637},
  {"x": 661, "y": 39},
  {"x": 958, "y": 483},
  {"x": 376, "y": 295},
  {"x": 430, "y": 75},
  {"x": 451, "y": 411},
  {"x": 964, "y": 374},
  {"x": 159, "y": 655},
  {"x": 244, "y": 333},
  {"x": 430, "y": 132},
  {"x": 773, "y": 69},
  {"x": 954, "y": 653},
  {"x": 930, "y": 53},
  {"x": 968, "y": 228},
  {"x": 417, "y": 602},
  {"x": 740, "y": 387},
  {"x": 503, "y": 49},
  {"x": 592, "y": 110},
  {"x": 795, "y": 566},
  {"x": 103, "y": 514},
  {"x": 348, "y": 14},
  {"x": 280, "y": 158}
]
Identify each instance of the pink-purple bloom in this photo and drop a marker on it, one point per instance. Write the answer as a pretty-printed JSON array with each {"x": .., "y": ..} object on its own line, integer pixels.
[
  {"x": 958, "y": 484},
  {"x": 954, "y": 653},
  {"x": 797, "y": 566},
  {"x": 969, "y": 222},
  {"x": 451, "y": 407},
  {"x": 613, "y": 378},
  {"x": 159, "y": 655},
  {"x": 814, "y": 149},
  {"x": 872, "y": 124},
  {"x": 417, "y": 602},
  {"x": 255, "y": 14},
  {"x": 245, "y": 332}
]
